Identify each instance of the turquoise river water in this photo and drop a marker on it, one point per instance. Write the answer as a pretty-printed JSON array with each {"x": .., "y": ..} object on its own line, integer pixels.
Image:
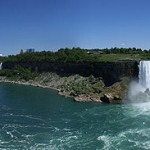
[{"x": 34, "y": 118}]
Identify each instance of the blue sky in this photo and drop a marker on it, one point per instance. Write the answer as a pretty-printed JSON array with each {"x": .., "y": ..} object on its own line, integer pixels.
[{"x": 53, "y": 24}]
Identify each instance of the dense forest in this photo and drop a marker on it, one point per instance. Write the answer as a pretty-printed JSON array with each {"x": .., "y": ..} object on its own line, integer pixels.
[{"x": 78, "y": 55}]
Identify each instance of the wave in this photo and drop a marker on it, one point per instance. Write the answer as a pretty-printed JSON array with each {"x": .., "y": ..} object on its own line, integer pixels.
[{"x": 132, "y": 138}]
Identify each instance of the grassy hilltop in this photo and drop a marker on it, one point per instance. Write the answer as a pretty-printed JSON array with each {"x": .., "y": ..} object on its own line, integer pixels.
[{"x": 78, "y": 55}]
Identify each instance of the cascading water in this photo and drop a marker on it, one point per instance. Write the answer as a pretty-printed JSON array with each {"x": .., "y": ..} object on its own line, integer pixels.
[
  {"x": 140, "y": 91},
  {"x": 1, "y": 66},
  {"x": 144, "y": 74}
]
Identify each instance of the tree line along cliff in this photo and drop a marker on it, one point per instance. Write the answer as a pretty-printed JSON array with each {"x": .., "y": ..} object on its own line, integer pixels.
[
  {"x": 65, "y": 55},
  {"x": 110, "y": 64}
]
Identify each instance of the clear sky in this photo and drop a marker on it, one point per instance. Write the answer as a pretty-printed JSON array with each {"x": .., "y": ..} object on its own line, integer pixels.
[{"x": 54, "y": 24}]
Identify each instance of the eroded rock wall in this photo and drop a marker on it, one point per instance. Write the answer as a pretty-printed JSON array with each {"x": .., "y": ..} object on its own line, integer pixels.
[{"x": 110, "y": 72}]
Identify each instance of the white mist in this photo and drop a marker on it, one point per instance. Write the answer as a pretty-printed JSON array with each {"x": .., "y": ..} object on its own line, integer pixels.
[
  {"x": 144, "y": 74},
  {"x": 139, "y": 91}
]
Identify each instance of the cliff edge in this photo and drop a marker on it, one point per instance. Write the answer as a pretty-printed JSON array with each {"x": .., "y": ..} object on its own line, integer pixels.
[{"x": 97, "y": 81}]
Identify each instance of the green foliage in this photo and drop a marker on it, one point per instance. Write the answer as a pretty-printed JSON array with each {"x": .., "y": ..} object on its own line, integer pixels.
[
  {"x": 92, "y": 79},
  {"x": 116, "y": 50},
  {"x": 78, "y": 55},
  {"x": 145, "y": 56},
  {"x": 84, "y": 86},
  {"x": 6, "y": 72},
  {"x": 2, "y": 58},
  {"x": 19, "y": 73},
  {"x": 117, "y": 57}
]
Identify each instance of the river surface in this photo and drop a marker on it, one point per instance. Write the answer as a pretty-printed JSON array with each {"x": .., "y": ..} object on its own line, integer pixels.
[{"x": 35, "y": 119}]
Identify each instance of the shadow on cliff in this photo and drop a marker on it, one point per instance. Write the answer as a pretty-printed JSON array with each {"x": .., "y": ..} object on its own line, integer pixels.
[{"x": 110, "y": 72}]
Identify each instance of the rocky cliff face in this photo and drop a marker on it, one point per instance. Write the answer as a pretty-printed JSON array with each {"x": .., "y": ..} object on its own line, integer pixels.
[
  {"x": 110, "y": 72},
  {"x": 116, "y": 93}
]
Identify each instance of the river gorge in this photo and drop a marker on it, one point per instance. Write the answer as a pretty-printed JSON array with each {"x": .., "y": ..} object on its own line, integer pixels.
[{"x": 37, "y": 118}]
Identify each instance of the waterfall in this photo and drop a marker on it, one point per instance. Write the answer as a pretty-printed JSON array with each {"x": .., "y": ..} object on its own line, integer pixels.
[
  {"x": 140, "y": 91},
  {"x": 144, "y": 74},
  {"x": 0, "y": 66}
]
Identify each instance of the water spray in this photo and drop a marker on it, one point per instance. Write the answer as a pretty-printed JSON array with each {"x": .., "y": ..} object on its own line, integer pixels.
[{"x": 140, "y": 91}]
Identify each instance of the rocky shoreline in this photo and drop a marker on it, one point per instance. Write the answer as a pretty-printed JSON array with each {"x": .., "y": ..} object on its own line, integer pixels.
[
  {"x": 77, "y": 99},
  {"x": 28, "y": 83},
  {"x": 66, "y": 87},
  {"x": 36, "y": 84}
]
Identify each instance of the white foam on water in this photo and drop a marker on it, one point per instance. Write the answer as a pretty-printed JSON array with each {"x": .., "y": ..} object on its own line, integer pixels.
[
  {"x": 134, "y": 110},
  {"x": 142, "y": 108},
  {"x": 106, "y": 140},
  {"x": 132, "y": 138}
]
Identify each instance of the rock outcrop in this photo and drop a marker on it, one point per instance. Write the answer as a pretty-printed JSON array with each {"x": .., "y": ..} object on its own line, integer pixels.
[{"x": 116, "y": 93}]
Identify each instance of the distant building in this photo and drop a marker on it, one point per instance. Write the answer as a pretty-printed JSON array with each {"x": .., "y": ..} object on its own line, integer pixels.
[
  {"x": 30, "y": 50},
  {"x": 21, "y": 51}
]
